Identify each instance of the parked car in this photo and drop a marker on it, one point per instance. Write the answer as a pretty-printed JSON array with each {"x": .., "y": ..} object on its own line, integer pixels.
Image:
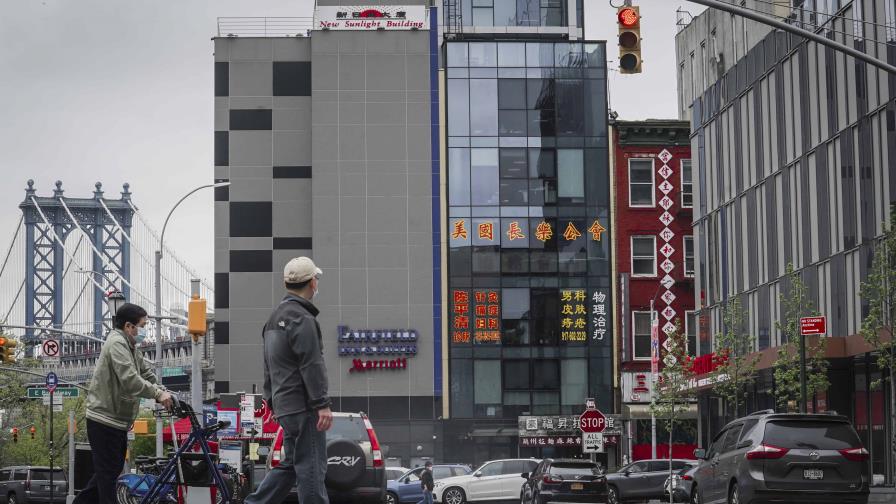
[
  {"x": 564, "y": 480},
  {"x": 641, "y": 480},
  {"x": 494, "y": 480},
  {"x": 356, "y": 471},
  {"x": 30, "y": 484},
  {"x": 393, "y": 473},
  {"x": 783, "y": 457},
  {"x": 407, "y": 488},
  {"x": 681, "y": 484}
]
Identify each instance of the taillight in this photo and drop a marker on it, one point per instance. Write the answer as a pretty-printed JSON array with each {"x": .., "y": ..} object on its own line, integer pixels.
[
  {"x": 374, "y": 444},
  {"x": 686, "y": 477},
  {"x": 765, "y": 451},
  {"x": 859, "y": 454},
  {"x": 549, "y": 480}
]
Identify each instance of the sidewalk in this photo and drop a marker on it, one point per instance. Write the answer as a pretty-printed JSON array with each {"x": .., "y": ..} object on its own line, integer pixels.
[{"x": 882, "y": 495}]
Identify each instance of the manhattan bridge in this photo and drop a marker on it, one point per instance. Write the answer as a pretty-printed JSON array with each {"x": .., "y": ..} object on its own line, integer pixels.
[{"x": 66, "y": 255}]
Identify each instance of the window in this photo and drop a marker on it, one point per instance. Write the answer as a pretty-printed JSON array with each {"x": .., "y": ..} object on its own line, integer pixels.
[
  {"x": 640, "y": 183},
  {"x": 687, "y": 185},
  {"x": 546, "y": 374},
  {"x": 637, "y": 467},
  {"x": 731, "y": 438},
  {"x": 643, "y": 256},
  {"x": 4, "y": 475},
  {"x": 571, "y": 171},
  {"x": 459, "y": 471},
  {"x": 492, "y": 469},
  {"x": 20, "y": 475},
  {"x": 487, "y": 391},
  {"x": 688, "y": 256},
  {"x": 641, "y": 334},
  {"x": 441, "y": 473},
  {"x": 690, "y": 330}
]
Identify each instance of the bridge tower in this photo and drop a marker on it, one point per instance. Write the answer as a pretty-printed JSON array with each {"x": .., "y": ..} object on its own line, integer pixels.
[{"x": 49, "y": 221}]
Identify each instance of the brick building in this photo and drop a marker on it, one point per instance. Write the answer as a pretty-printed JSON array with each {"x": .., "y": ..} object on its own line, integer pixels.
[{"x": 655, "y": 262}]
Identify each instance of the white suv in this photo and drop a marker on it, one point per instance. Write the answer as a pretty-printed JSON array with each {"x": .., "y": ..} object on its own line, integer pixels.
[{"x": 497, "y": 480}]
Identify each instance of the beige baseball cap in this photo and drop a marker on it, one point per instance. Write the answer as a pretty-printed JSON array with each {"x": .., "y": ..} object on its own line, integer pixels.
[{"x": 300, "y": 269}]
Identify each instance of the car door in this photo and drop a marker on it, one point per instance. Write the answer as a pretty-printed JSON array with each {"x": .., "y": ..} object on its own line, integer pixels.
[
  {"x": 631, "y": 483},
  {"x": 409, "y": 489},
  {"x": 486, "y": 482},
  {"x": 512, "y": 481},
  {"x": 657, "y": 472},
  {"x": 529, "y": 486},
  {"x": 712, "y": 488},
  {"x": 5, "y": 475},
  {"x": 727, "y": 461}
]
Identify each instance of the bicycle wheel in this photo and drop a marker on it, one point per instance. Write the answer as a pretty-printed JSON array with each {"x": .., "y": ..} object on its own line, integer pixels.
[{"x": 123, "y": 493}]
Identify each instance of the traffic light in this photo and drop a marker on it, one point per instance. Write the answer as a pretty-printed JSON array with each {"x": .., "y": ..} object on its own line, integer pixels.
[
  {"x": 7, "y": 350},
  {"x": 196, "y": 309},
  {"x": 15, "y": 434},
  {"x": 32, "y": 430},
  {"x": 629, "y": 20}
]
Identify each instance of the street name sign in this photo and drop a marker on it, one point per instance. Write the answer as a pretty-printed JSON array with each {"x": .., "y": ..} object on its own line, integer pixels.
[{"x": 38, "y": 392}]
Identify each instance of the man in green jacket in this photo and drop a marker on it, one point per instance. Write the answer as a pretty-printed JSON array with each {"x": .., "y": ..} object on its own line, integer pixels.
[{"x": 120, "y": 380}]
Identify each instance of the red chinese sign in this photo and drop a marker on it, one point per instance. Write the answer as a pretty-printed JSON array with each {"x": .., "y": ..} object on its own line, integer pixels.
[
  {"x": 487, "y": 317},
  {"x": 461, "y": 317}
]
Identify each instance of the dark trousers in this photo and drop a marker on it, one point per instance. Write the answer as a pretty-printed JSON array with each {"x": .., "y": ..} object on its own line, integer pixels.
[{"x": 108, "y": 447}]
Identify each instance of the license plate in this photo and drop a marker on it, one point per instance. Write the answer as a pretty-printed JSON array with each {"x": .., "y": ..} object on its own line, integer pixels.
[
  {"x": 813, "y": 474},
  {"x": 577, "y": 486},
  {"x": 47, "y": 487}
]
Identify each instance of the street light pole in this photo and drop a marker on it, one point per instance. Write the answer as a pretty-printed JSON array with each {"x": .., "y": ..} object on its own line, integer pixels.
[{"x": 158, "y": 275}]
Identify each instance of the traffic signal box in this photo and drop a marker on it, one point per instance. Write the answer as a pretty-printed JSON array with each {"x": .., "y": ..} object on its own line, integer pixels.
[
  {"x": 32, "y": 430},
  {"x": 629, "y": 21},
  {"x": 7, "y": 350},
  {"x": 196, "y": 323},
  {"x": 15, "y": 434}
]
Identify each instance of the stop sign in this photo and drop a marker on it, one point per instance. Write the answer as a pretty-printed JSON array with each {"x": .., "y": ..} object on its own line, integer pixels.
[{"x": 592, "y": 421}]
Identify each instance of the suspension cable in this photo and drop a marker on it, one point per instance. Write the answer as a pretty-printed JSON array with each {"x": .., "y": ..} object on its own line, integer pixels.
[{"x": 12, "y": 244}]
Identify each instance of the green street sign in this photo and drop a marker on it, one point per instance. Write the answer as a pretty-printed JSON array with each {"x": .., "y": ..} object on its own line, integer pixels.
[{"x": 39, "y": 392}]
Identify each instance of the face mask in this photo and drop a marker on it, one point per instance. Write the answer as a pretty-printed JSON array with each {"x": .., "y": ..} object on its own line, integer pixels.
[
  {"x": 141, "y": 335},
  {"x": 316, "y": 292}
]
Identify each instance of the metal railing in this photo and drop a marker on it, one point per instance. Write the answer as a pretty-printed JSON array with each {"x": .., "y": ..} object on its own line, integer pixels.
[{"x": 265, "y": 26}]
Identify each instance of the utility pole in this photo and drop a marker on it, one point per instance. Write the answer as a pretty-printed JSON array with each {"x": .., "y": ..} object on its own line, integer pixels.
[{"x": 71, "y": 458}]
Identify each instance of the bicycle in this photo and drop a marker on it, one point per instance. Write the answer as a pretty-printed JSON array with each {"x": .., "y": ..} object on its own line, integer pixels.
[{"x": 162, "y": 476}]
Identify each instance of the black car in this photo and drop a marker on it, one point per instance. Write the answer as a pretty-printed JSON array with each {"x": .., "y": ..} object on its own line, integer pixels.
[
  {"x": 783, "y": 457},
  {"x": 641, "y": 480},
  {"x": 31, "y": 484},
  {"x": 356, "y": 470},
  {"x": 564, "y": 480}
]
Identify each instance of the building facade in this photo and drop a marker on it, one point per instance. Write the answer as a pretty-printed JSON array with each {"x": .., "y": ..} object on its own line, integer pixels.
[
  {"x": 655, "y": 264},
  {"x": 793, "y": 146},
  {"x": 441, "y": 169},
  {"x": 330, "y": 147}
]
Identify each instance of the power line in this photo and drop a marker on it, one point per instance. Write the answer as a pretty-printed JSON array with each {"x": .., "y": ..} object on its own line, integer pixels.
[{"x": 831, "y": 30}]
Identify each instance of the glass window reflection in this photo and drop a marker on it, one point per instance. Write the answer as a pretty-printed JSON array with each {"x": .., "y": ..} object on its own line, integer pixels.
[
  {"x": 484, "y": 109},
  {"x": 484, "y": 176},
  {"x": 483, "y": 54}
]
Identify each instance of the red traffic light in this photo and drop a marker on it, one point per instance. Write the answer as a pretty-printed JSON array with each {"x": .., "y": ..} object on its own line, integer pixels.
[
  {"x": 32, "y": 430},
  {"x": 628, "y": 17},
  {"x": 15, "y": 430}
]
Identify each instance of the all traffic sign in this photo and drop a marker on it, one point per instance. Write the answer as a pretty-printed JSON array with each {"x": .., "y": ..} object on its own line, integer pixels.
[{"x": 592, "y": 420}]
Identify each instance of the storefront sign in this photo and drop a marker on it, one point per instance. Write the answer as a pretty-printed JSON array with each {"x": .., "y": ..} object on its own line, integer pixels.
[
  {"x": 487, "y": 316},
  {"x": 460, "y": 323},
  {"x": 372, "y": 17},
  {"x": 360, "y": 366},
  {"x": 559, "y": 426},
  {"x": 636, "y": 387},
  {"x": 598, "y": 315},
  {"x": 573, "y": 315},
  {"x": 367, "y": 342},
  {"x": 551, "y": 441}
]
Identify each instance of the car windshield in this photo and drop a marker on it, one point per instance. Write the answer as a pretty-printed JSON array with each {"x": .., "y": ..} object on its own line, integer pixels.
[
  {"x": 811, "y": 434},
  {"x": 351, "y": 428},
  {"x": 573, "y": 469},
  {"x": 44, "y": 475}
]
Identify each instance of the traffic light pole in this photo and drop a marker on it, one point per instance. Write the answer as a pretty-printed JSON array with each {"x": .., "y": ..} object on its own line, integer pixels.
[
  {"x": 768, "y": 20},
  {"x": 51, "y": 446}
]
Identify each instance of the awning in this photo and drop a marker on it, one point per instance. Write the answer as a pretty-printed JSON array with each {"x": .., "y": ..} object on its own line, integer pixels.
[{"x": 642, "y": 412}]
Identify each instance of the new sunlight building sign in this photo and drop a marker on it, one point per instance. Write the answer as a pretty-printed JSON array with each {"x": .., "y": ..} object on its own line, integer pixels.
[{"x": 379, "y": 17}]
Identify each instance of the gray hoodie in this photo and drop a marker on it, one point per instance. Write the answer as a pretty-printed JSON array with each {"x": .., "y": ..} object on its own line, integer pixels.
[{"x": 295, "y": 376}]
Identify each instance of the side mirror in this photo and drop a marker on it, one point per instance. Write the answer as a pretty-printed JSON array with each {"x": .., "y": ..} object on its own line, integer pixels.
[
  {"x": 626, "y": 473},
  {"x": 263, "y": 451},
  {"x": 700, "y": 454},
  {"x": 477, "y": 474},
  {"x": 525, "y": 476}
]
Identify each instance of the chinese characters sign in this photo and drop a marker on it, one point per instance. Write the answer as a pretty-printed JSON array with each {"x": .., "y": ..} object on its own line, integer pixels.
[
  {"x": 460, "y": 319},
  {"x": 485, "y": 232},
  {"x": 599, "y": 315},
  {"x": 559, "y": 430},
  {"x": 379, "y": 17},
  {"x": 487, "y": 316},
  {"x": 573, "y": 315}
]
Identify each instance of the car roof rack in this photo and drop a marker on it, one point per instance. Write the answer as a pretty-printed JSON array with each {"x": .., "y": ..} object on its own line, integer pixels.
[{"x": 762, "y": 412}]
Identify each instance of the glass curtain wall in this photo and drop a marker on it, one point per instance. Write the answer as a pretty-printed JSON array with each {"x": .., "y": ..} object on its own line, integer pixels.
[
  {"x": 529, "y": 228},
  {"x": 513, "y": 12}
]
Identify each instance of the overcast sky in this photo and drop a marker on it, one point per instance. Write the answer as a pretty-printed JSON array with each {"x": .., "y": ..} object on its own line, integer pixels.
[{"x": 122, "y": 91}]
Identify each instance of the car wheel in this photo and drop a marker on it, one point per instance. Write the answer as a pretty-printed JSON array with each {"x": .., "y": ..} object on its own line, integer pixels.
[
  {"x": 12, "y": 499},
  {"x": 695, "y": 495},
  {"x": 734, "y": 494},
  {"x": 454, "y": 496},
  {"x": 612, "y": 495},
  {"x": 391, "y": 498}
]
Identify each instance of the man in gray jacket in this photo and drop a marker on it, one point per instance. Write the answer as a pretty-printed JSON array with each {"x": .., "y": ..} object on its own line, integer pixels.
[
  {"x": 121, "y": 378},
  {"x": 295, "y": 386}
]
